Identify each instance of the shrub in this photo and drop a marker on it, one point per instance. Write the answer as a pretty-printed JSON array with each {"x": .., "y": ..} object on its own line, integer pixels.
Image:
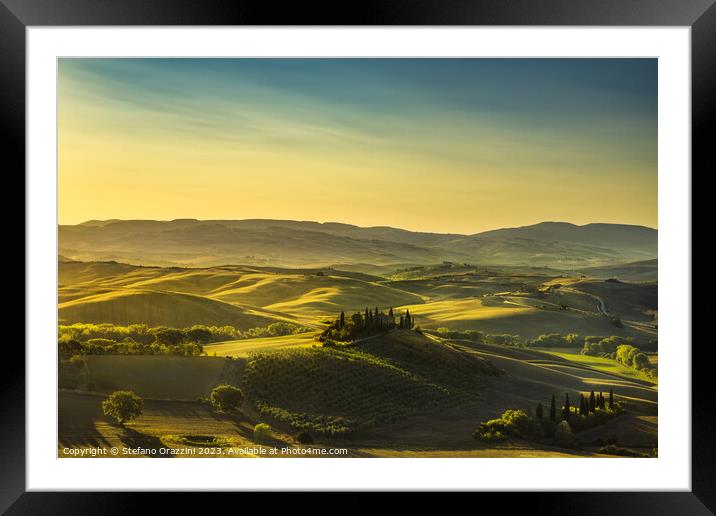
[
  {"x": 512, "y": 422},
  {"x": 622, "y": 452},
  {"x": 606, "y": 345},
  {"x": 625, "y": 354},
  {"x": 262, "y": 432},
  {"x": 563, "y": 435},
  {"x": 226, "y": 397},
  {"x": 641, "y": 361},
  {"x": 492, "y": 436},
  {"x": 555, "y": 340},
  {"x": 505, "y": 340},
  {"x": 122, "y": 406}
]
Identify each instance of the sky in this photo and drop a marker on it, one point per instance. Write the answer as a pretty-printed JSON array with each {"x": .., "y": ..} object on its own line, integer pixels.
[{"x": 442, "y": 145}]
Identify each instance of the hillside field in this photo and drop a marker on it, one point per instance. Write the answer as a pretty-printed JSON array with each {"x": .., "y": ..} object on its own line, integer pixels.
[{"x": 399, "y": 395}]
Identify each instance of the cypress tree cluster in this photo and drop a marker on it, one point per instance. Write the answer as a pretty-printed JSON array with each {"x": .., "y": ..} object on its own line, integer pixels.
[{"x": 370, "y": 322}]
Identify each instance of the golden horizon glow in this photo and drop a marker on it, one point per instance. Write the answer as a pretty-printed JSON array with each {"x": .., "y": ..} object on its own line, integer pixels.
[{"x": 425, "y": 145}]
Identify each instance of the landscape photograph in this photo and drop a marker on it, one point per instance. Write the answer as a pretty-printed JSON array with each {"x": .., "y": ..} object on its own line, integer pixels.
[{"x": 357, "y": 257}]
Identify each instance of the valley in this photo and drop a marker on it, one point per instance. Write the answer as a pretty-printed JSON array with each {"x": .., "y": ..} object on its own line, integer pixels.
[{"x": 475, "y": 348}]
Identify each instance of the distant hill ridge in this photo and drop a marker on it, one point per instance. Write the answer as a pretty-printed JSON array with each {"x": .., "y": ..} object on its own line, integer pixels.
[{"x": 307, "y": 243}]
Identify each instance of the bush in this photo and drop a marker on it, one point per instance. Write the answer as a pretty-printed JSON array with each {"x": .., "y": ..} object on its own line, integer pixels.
[
  {"x": 226, "y": 397},
  {"x": 563, "y": 435},
  {"x": 472, "y": 335},
  {"x": 262, "y": 432},
  {"x": 303, "y": 437},
  {"x": 555, "y": 340},
  {"x": 505, "y": 340},
  {"x": 512, "y": 422},
  {"x": 139, "y": 339},
  {"x": 641, "y": 361},
  {"x": 122, "y": 406},
  {"x": 599, "y": 345},
  {"x": 621, "y": 452},
  {"x": 492, "y": 436}
]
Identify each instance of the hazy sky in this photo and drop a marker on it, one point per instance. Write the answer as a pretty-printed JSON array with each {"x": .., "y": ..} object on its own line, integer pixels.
[{"x": 446, "y": 145}]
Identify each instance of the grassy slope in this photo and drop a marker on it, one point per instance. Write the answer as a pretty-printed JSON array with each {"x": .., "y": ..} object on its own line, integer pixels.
[
  {"x": 354, "y": 387},
  {"x": 459, "y": 297},
  {"x": 243, "y": 347},
  {"x": 164, "y": 377},
  {"x": 361, "y": 382},
  {"x": 631, "y": 301},
  {"x": 128, "y": 306},
  {"x": 598, "y": 363},
  {"x": 111, "y": 291},
  {"x": 531, "y": 377},
  {"x": 497, "y": 316}
]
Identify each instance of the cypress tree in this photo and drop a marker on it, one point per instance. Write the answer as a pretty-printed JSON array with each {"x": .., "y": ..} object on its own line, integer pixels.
[
  {"x": 342, "y": 322},
  {"x": 611, "y": 399},
  {"x": 390, "y": 312},
  {"x": 538, "y": 412},
  {"x": 601, "y": 401},
  {"x": 592, "y": 402},
  {"x": 583, "y": 409},
  {"x": 402, "y": 323},
  {"x": 566, "y": 409},
  {"x": 553, "y": 411}
]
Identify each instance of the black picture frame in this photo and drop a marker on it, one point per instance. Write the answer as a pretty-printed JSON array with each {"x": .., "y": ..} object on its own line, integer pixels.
[{"x": 17, "y": 15}]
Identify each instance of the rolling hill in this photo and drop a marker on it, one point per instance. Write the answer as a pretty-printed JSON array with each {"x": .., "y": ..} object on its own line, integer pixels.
[
  {"x": 243, "y": 297},
  {"x": 312, "y": 244},
  {"x": 647, "y": 270},
  {"x": 129, "y": 306},
  {"x": 515, "y": 300},
  {"x": 399, "y": 394}
]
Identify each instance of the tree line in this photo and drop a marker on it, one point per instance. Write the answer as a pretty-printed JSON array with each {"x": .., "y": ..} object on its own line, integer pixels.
[
  {"x": 140, "y": 339},
  {"x": 557, "y": 425}
]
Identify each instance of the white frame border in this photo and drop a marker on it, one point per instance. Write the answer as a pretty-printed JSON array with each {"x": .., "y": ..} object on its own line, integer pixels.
[{"x": 671, "y": 471}]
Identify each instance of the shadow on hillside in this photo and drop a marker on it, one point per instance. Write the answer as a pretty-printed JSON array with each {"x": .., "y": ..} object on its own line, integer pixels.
[
  {"x": 81, "y": 436},
  {"x": 134, "y": 439},
  {"x": 190, "y": 410},
  {"x": 76, "y": 424}
]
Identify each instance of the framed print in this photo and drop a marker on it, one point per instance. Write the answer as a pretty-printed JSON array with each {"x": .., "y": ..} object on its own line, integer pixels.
[{"x": 439, "y": 249}]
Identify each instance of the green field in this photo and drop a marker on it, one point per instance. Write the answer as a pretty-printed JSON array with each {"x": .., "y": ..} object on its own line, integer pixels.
[
  {"x": 341, "y": 390},
  {"x": 242, "y": 348},
  {"x": 163, "y": 377},
  {"x": 400, "y": 394},
  {"x": 599, "y": 363}
]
